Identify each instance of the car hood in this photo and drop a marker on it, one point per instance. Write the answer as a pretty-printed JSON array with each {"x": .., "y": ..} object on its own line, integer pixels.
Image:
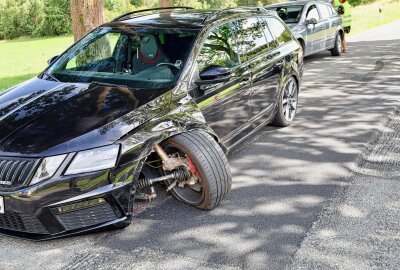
[{"x": 42, "y": 117}]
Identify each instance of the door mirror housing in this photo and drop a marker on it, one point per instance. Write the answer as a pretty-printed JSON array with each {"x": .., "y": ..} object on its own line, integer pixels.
[
  {"x": 311, "y": 21},
  {"x": 52, "y": 60},
  {"x": 214, "y": 74}
]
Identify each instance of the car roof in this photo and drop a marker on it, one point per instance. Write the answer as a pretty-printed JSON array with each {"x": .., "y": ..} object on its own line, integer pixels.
[
  {"x": 296, "y": 3},
  {"x": 183, "y": 18}
]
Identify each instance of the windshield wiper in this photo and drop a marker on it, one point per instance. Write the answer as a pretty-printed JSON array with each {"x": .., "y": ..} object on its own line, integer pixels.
[
  {"x": 51, "y": 76},
  {"x": 108, "y": 84}
]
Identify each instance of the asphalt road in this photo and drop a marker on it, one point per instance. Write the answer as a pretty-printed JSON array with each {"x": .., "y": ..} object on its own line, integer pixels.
[{"x": 307, "y": 196}]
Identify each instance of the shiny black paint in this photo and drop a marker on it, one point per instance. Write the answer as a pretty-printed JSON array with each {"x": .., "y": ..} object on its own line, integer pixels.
[{"x": 42, "y": 118}]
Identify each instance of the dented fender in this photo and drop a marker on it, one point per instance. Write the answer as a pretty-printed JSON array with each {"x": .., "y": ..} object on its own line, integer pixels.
[{"x": 183, "y": 116}]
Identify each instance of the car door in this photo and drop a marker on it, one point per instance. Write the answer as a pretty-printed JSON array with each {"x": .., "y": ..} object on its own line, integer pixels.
[
  {"x": 225, "y": 105},
  {"x": 265, "y": 63},
  {"x": 315, "y": 32},
  {"x": 329, "y": 30}
]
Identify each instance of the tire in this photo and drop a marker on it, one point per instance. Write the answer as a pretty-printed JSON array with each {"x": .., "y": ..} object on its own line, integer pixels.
[
  {"x": 337, "y": 50},
  {"x": 211, "y": 164},
  {"x": 281, "y": 120}
]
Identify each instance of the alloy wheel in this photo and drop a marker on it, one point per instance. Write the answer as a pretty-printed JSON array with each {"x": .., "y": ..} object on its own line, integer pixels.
[{"x": 289, "y": 100}]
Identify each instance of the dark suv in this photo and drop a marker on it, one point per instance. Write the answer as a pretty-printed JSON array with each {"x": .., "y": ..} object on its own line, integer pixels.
[{"x": 155, "y": 96}]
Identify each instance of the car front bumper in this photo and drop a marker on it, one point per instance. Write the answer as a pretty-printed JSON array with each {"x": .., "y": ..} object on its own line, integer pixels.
[{"x": 66, "y": 206}]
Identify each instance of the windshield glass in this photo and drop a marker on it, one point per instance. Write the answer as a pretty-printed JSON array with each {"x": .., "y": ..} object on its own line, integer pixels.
[
  {"x": 289, "y": 14},
  {"x": 134, "y": 57}
]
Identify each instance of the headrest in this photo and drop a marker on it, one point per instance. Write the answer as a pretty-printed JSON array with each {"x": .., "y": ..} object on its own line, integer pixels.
[{"x": 149, "y": 47}]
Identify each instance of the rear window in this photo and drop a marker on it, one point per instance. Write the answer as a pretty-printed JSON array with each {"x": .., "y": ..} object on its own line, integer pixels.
[
  {"x": 250, "y": 38},
  {"x": 281, "y": 33},
  {"x": 324, "y": 10}
]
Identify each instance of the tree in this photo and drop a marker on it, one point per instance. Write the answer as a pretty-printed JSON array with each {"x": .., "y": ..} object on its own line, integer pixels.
[
  {"x": 166, "y": 3},
  {"x": 86, "y": 15}
]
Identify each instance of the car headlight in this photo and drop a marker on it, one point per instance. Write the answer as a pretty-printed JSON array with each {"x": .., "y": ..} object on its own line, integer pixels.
[
  {"x": 47, "y": 168},
  {"x": 94, "y": 160}
]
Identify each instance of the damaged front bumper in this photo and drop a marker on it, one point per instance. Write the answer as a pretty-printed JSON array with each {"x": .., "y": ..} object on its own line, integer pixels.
[{"x": 67, "y": 206}]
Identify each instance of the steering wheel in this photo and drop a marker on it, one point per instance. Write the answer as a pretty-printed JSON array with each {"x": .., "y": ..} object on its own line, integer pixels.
[{"x": 170, "y": 65}]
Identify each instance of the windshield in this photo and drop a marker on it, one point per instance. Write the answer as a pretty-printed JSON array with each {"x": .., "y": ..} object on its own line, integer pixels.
[
  {"x": 134, "y": 57},
  {"x": 289, "y": 14}
]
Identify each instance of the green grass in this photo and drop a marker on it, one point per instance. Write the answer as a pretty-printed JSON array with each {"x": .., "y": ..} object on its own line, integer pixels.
[
  {"x": 23, "y": 59},
  {"x": 367, "y": 16}
]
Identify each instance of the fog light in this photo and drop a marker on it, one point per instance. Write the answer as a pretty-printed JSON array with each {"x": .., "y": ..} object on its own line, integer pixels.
[{"x": 79, "y": 205}]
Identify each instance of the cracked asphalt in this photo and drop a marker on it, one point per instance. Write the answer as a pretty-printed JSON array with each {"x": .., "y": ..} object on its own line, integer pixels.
[{"x": 320, "y": 194}]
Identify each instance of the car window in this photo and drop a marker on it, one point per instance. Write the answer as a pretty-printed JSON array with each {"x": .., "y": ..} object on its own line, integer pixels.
[
  {"x": 325, "y": 14},
  {"x": 332, "y": 11},
  {"x": 103, "y": 47},
  {"x": 280, "y": 32},
  {"x": 312, "y": 13},
  {"x": 250, "y": 38},
  {"x": 272, "y": 43},
  {"x": 219, "y": 49},
  {"x": 140, "y": 58},
  {"x": 289, "y": 14}
]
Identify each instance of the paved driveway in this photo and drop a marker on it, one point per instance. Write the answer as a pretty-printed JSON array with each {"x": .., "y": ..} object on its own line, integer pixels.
[{"x": 282, "y": 180}]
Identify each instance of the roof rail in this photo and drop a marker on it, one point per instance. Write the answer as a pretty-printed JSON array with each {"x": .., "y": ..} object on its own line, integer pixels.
[
  {"x": 215, "y": 14},
  {"x": 146, "y": 10}
]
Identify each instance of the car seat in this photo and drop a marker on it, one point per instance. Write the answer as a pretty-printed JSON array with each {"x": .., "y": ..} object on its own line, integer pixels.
[{"x": 148, "y": 54}]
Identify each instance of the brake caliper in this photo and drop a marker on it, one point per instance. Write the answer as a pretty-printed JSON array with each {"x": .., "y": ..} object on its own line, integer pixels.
[{"x": 194, "y": 174}]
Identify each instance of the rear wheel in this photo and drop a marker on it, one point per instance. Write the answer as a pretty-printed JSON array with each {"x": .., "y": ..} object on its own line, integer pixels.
[
  {"x": 208, "y": 162},
  {"x": 287, "y": 104},
  {"x": 337, "y": 50}
]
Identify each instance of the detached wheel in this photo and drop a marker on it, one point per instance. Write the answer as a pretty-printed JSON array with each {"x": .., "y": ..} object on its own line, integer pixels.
[
  {"x": 287, "y": 104},
  {"x": 337, "y": 50},
  {"x": 210, "y": 165}
]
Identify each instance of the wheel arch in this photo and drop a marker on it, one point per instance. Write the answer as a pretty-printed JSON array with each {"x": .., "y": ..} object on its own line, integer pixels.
[
  {"x": 303, "y": 44},
  {"x": 341, "y": 33},
  {"x": 138, "y": 146}
]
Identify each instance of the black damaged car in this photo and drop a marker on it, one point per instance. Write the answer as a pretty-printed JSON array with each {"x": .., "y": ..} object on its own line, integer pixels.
[{"x": 155, "y": 96}]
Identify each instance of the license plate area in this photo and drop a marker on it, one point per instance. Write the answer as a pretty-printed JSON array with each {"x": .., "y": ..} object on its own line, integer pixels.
[{"x": 1, "y": 205}]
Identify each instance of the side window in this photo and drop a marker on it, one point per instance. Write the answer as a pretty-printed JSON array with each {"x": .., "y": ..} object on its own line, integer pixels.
[
  {"x": 332, "y": 11},
  {"x": 325, "y": 14},
  {"x": 219, "y": 49},
  {"x": 280, "y": 32},
  {"x": 250, "y": 38},
  {"x": 270, "y": 39},
  {"x": 312, "y": 13}
]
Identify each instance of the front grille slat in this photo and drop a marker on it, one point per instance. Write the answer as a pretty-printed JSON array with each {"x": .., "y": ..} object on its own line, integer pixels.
[
  {"x": 14, "y": 172},
  {"x": 10, "y": 171}
]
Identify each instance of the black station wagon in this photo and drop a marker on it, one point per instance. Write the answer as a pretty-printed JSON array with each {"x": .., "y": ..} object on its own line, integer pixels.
[{"x": 155, "y": 96}]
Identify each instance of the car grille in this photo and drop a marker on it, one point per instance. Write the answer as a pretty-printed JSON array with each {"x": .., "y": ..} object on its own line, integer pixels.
[
  {"x": 22, "y": 223},
  {"x": 87, "y": 217},
  {"x": 14, "y": 172}
]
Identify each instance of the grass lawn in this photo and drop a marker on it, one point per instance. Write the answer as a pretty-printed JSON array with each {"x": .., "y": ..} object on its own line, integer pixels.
[
  {"x": 367, "y": 16},
  {"x": 23, "y": 59}
]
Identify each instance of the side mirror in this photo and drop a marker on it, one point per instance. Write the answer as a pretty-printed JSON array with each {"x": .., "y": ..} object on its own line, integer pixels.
[
  {"x": 52, "y": 60},
  {"x": 214, "y": 74},
  {"x": 311, "y": 21}
]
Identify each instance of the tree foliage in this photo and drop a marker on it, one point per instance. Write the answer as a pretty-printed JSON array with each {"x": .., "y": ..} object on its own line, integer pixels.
[{"x": 36, "y": 18}]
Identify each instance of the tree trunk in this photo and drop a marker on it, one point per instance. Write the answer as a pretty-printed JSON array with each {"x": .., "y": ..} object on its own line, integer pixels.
[
  {"x": 166, "y": 3},
  {"x": 86, "y": 15}
]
